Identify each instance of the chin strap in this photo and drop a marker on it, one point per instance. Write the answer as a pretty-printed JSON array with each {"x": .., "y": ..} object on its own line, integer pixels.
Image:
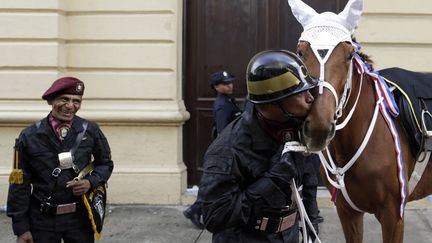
[{"x": 289, "y": 116}]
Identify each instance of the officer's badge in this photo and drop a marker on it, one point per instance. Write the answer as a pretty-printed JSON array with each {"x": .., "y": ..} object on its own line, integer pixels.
[
  {"x": 79, "y": 87},
  {"x": 287, "y": 136},
  {"x": 304, "y": 73},
  {"x": 63, "y": 131}
]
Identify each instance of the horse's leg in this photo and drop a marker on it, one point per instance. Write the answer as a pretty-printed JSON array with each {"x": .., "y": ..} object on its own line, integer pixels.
[
  {"x": 351, "y": 220},
  {"x": 392, "y": 225},
  {"x": 352, "y": 223}
]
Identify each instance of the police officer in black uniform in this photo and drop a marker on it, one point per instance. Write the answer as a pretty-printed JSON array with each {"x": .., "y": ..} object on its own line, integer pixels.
[
  {"x": 245, "y": 188},
  {"x": 225, "y": 110},
  {"x": 44, "y": 200}
]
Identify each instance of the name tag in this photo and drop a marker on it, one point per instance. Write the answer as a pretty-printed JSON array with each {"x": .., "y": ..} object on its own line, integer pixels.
[{"x": 66, "y": 160}]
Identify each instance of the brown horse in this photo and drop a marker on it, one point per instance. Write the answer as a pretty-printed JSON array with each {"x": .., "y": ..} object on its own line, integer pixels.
[{"x": 372, "y": 182}]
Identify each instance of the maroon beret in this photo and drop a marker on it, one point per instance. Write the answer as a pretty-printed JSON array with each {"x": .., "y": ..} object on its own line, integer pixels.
[{"x": 65, "y": 85}]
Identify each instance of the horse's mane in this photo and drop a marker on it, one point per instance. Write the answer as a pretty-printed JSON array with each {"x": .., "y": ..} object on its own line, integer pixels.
[{"x": 366, "y": 58}]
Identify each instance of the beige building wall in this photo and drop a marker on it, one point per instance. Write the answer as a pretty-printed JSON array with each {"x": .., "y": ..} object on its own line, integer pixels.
[
  {"x": 129, "y": 54},
  {"x": 397, "y": 33}
]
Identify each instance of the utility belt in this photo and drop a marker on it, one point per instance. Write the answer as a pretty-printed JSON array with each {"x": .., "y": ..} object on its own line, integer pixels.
[
  {"x": 56, "y": 209},
  {"x": 273, "y": 223}
]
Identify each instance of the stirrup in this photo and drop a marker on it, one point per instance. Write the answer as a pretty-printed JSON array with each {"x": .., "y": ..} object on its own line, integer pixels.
[
  {"x": 426, "y": 132},
  {"x": 426, "y": 139}
]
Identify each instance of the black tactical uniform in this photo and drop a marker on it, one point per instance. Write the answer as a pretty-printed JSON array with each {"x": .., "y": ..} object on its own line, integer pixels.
[
  {"x": 246, "y": 185},
  {"x": 37, "y": 150},
  {"x": 235, "y": 189}
]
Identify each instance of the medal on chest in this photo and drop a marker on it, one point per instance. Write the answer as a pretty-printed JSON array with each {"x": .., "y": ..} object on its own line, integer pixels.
[{"x": 62, "y": 132}]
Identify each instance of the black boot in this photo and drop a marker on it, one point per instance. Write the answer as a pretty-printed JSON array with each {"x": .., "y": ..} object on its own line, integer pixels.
[
  {"x": 319, "y": 219},
  {"x": 193, "y": 213}
]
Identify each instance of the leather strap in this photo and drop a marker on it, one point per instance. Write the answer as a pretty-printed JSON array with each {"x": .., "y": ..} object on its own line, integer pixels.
[{"x": 76, "y": 145}]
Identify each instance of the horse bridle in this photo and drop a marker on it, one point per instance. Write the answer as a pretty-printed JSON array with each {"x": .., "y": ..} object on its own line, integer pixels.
[
  {"x": 322, "y": 55},
  {"x": 329, "y": 164}
]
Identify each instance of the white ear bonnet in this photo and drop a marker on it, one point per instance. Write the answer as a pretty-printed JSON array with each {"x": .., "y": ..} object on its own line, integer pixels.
[
  {"x": 324, "y": 32},
  {"x": 327, "y": 29}
]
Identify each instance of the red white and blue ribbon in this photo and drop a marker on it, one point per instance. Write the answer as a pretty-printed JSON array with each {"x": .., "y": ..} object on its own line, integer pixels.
[{"x": 388, "y": 108}]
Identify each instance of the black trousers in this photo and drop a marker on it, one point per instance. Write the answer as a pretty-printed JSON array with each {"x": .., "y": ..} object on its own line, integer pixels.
[{"x": 78, "y": 235}]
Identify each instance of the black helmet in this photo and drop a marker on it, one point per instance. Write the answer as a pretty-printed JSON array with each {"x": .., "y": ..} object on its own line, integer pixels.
[{"x": 276, "y": 74}]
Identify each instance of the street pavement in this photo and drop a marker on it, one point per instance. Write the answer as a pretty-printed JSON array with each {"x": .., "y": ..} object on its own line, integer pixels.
[{"x": 160, "y": 224}]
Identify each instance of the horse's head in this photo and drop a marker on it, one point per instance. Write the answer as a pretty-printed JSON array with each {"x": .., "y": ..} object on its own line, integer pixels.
[{"x": 326, "y": 48}]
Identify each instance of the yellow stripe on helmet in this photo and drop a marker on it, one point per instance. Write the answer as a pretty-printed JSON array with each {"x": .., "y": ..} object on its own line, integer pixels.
[{"x": 273, "y": 85}]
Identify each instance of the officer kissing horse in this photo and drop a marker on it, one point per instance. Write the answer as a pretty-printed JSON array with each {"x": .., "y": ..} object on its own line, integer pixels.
[{"x": 365, "y": 152}]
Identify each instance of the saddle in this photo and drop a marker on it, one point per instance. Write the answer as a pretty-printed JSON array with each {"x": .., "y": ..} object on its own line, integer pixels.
[{"x": 413, "y": 94}]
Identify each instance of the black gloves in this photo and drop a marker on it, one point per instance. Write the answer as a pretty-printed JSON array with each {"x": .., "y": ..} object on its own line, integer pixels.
[
  {"x": 285, "y": 169},
  {"x": 282, "y": 171}
]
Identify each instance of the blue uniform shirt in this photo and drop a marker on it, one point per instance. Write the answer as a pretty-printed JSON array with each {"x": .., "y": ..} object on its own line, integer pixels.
[{"x": 224, "y": 111}]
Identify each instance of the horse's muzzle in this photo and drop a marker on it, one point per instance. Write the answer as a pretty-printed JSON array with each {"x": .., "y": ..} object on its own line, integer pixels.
[{"x": 316, "y": 139}]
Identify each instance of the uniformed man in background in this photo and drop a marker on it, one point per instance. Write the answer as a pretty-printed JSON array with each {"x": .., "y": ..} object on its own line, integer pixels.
[{"x": 225, "y": 110}]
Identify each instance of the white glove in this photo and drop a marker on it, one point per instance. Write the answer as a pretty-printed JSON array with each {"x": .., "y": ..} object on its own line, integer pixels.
[{"x": 294, "y": 146}]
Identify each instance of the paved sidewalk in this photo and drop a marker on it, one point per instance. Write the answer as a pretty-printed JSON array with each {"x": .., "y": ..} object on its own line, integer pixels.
[{"x": 160, "y": 224}]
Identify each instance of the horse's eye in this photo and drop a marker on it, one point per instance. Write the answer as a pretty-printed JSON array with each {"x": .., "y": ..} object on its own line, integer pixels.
[
  {"x": 350, "y": 56},
  {"x": 299, "y": 53}
]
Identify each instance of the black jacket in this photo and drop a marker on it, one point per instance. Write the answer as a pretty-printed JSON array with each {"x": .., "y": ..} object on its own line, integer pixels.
[
  {"x": 233, "y": 188},
  {"x": 38, "y": 150}
]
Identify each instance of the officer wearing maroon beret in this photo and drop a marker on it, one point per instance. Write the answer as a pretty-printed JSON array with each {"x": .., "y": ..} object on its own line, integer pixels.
[
  {"x": 66, "y": 85},
  {"x": 47, "y": 183}
]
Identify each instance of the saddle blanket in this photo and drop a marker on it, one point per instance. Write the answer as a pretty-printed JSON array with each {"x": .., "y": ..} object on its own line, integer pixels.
[{"x": 413, "y": 92}]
